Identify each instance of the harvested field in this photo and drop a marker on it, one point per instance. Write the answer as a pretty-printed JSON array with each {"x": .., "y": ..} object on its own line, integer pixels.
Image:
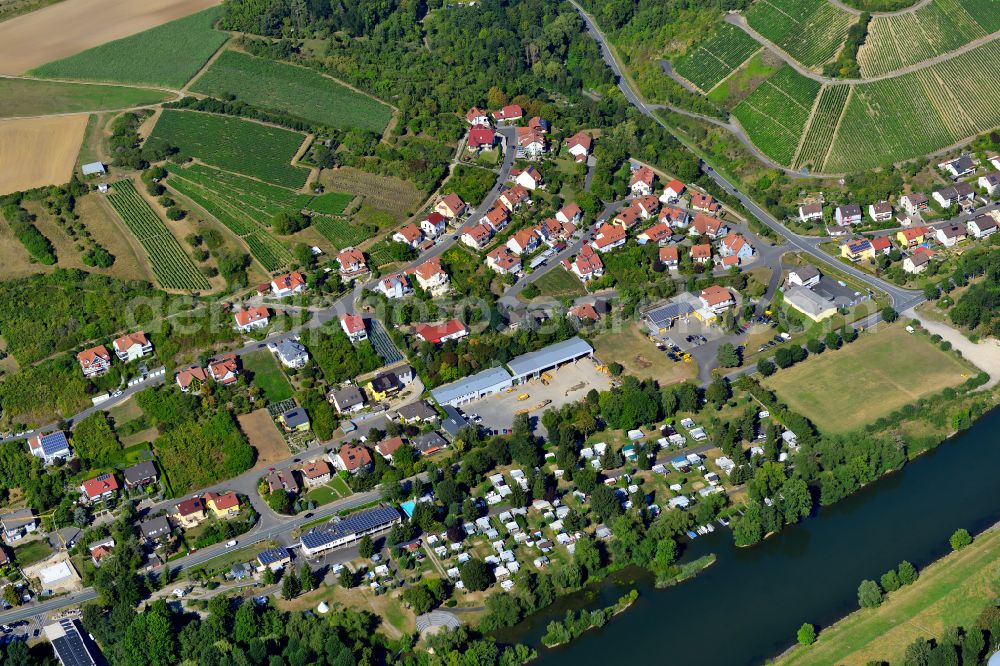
[
  {"x": 393, "y": 195},
  {"x": 263, "y": 436},
  {"x": 73, "y": 26},
  {"x": 29, "y": 97},
  {"x": 44, "y": 151}
]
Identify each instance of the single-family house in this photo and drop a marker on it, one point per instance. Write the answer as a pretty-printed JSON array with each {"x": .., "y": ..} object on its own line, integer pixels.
[
  {"x": 99, "y": 549},
  {"x": 716, "y": 298},
  {"x": 140, "y": 474},
  {"x": 659, "y": 233},
  {"x": 805, "y": 275},
  {"x": 704, "y": 203},
  {"x": 881, "y": 245},
  {"x": 154, "y": 529},
  {"x": 735, "y": 245},
  {"x": 551, "y": 230},
  {"x": 409, "y": 235},
  {"x": 608, "y": 237},
  {"x": 880, "y": 211},
  {"x": 701, "y": 253},
  {"x": 585, "y": 312},
  {"x": 94, "y": 361},
  {"x": 101, "y": 486},
  {"x": 316, "y": 473},
  {"x": 432, "y": 277},
  {"x": 648, "y": 206},
  {"x": 672, "y": 192},
  {"x": 529, "y": 179},
  {"x": 857, "y": 249},
  {"x": 995, "y": 161},
  {"x": 18, "y": 524},
  {"x": 416, "y": 412},
  {"x": 523, "y": 241},
  {"x": 513, "y": 198},
  {"x": 477, "y": 236},
  {"x": 579, "y": 145},
  {"x": 294, "y": 420},
  {"x": 352, "y": 263},
  {"x": 190, "y": 377},
  {"x": 394, "y": 286},
  {"x": 810, "y": 212},
  {"x": 481, "y": 137},
  {"x": 274, "y": 559},
  {"x": 531, "y": 143},
  {"x": 509, "y": 113},
  {"x": 991, "y": 183},
  {"x": 628, "y": 217},
  {"x": 226, "y": 505},
  {"x": 496, "y": 218},
  {"x": 346, "y": 400},
  {"x": 954, "y": 194},
  {"x": 503, "y": 261},
  {"x": 354, "y": 326},
  {"x": 288, "y": 285},
  {"x": 951, "y": 234},
  {"x": 846, "y": 215},
  {"x": 428, "y": 443},
  {"x": 437, "y": 334},
  {"x": 290, "y": 352},
  {"x": 281, "y": 480},
  {"x": 50, "y": 447},
  {"x": 387, "y": 447},
  {"x": 225, "y": 369},
  {"x": 570, "y": 214},
  {"x": 587, "y": 265},
  {"x": 252, "y": 319},
  {"x": 540, "y": 124},
  {"x": 912, "y": 236},
  {"x": 383, "y": 386},
  {"x": 132, "y": 346},
  {"x": 704, "y": 225},
  {"x": 477, "y": 117},
  {"x": 916, "y": 262},
  {"x": 983, "y": 226},
  {"x": 914, "y": 202},
  {"x": 434, "y": 224},
  {"x": 677, "y": 218},
  {"x": 352, "y": 458},
  {"x": 451, "y": 206},
  {"x": 641, "y": 182},
  {"x": 670, "y": 256},
  {"x": 190, "y": 512},
  {"x": 958, "y": 167}
]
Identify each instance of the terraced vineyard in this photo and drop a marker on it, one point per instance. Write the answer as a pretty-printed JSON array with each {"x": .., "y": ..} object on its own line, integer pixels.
[
  {"x": 715, "y": 59},
  {"x": 775, "y": 114},
  {"x": 821, "y": 128},
  {"x": 236, "y": 145},
  {"x": 810, "y": 31},
  {"x": 917, "y": 113},
  {"x": 899, "y": 40},
  {"x": 172, "y": 267},
  {"x": 339, "y": 231}
]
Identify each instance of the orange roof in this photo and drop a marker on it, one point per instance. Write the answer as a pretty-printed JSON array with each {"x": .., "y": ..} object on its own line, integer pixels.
[
  {"x": 657, "y": 232},
  {"x": 429, "y": 268},
  {"x": 245, "y": 317},
  {"x": 703, "y": 251},
  {"x": 351, "y": 256},
  {"x": 435, "y": 332},
  {"x": 352, "y": 323},
  {"x": 289, "y": 281},
  {"x": 585, "y": 311},
  {"x": 669, "y": 254},
  {"x": 354, "y": 457},
  {"x": 90, "y": 356},
  {"x": 453, "y": 203},
  {"x": 389, "y": 446},
  {"x": 126, "y": 341},
  {"x": 224, "y": 502},
  {"x": 99, "y": 485},
  {"x": 188, "y": 375},
  {"x": 643, "y": 175},
  {"x": 223, "y": 366},
  {"x": 716, "y": 295},
  {"x": 316, "y": 469},
  {"x": 581, "y": 138},
  {"x": 675, "y": 185},
  {"x": 609, "y": 234}
]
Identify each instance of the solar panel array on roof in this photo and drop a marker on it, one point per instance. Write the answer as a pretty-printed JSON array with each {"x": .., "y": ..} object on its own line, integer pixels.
[
  {"x": 272, "y": 555},
  {"x": 362, "y": 521},
  {"x": 68, "y": 644},
  {"x": 54, "y": 442},
  {"x": 662, "y": 317}
]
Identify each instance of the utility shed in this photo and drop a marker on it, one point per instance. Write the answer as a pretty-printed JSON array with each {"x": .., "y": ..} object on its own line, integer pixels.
[
  {"x": 533, "y": 364},
  {"x": 93, "y": 169},
  {"x": 472, "y": 387}
]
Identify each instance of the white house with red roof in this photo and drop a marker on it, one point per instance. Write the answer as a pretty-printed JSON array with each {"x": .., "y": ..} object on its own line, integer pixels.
[
  {"x": 394, "y": 286},
  {"x": 451, "y": 206},
  {"x": 432, "y": 277},
  {"x": 529, "y": 179},
  {"x": 503, "y": 261},
  {"x": 670, "y": 256},
  {"x": 531, "y": 143},
  {"x": 642, "y": 181},
  {"x": 717, "y": 299},
  {"x": 579, "y": 145},
  {"x": 477, "y": 117},
  {"x": 481, "y": 138},
  {"x": 252, "y": 319},
  {"x": 515, "y": 197},
  {"x": 193, "y": 375},
  {"x": 584, "y": 312},
  {"x": 409, "y": 235},
  {"x": 552, "y": 230},
  {"x": 509, "y": 113},
  {"x": 352, "y": 458},
  {"x": 477, "y": 236},
  {"x": 524, "y": 241},
  {"x": 587, "y": 265},
  {"x": 701, "y": 254},
  {"x": 647, "y": 205},
  {"x": 703, "y": 225},
  {"x": 628, "y": 217},
  {"x": 608, "y": 237},
  {"x": 94, "y": 361},
  {"x": 704, "y": 203},
  {"x": 352, "y": 263},
  {"x": 659, "y": 233},
  {"x": 436, "y": 334},
  {"x": 225, "y": 369},
  {"x": 672, "y": 192},
  {"x": 496, "y": 218},
  {"x": 387, "y": 447},
  {"x": 288, "y": 285},
  {"x": 100, "y": 487},
  {"x": 881, "y": 245},
  {"x": 735, "y": 245},
  {"x": 677, "y": 218},
  {"x": 570, "y": 213},
  {"x": 433, "y": 225},
  {"x": 132, "y": 346},
  {"x": 354, "y": 326}
]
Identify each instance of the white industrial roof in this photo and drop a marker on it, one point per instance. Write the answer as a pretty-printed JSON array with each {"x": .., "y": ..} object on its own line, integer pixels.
[{"x": 561, "y": 352}]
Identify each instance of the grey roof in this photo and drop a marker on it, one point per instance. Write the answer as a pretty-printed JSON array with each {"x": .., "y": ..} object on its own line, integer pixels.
[
  {"x": 418, "y": 410},
  {"x": 805, "y": 272},
  {"x": 428, "y": 441},
  {"x": 363, "y": 521},
  {"x": 852, "y": 210},
  {"x": 477, "y": 383},
  {"x": 963, "y": 163},
  {"x": 271, "y": 555},
  {"x": 140, "y": 472},
  {"x": 68, "y": 644},
  {"x": 18, "y": 518},
  {"x": 663, "y": 315},
  {"x": 808, "y": 301},
  {"x": 54, "y": 442},
  {"x": 347, "y": 397},
  {"x": 953, "y": 231},
  {"x": 985, "y": 222},
  {"x": 296, "y": 417},
  {"x": 568, "y": 350},
  {"x": 92, "y": 168},
  {"x": 290, "y": 349},
  {"x": 453, "y": 421},
  {"x": 155, "y": 527}
]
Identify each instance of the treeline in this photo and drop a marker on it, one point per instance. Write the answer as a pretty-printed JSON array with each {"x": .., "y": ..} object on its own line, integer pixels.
[
  {"x": 233, "y": 107},
  {"x": 34, "y": 241},
  {"x": 978, "y": 309},
  {"x": 846, "y": 64},
  {"x": 560, "y": 632}
]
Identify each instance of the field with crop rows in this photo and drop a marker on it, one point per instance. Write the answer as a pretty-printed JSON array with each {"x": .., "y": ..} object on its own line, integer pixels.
[
  {"x": 821, "y": 128},
  {"x": 395, "y": 196},
  {"x": 330, "y": 203},
  {"x": 339, "y": 231},
  {"x": 917, "y": 113},
  {"x": 167, "y": 55},
  {"x": 172, "y": 267},
  {"x": 379, "y": 253},
  {"x": 775, "y": 114},
  {"x": 810, "y": 31},
  {"x": 296, "y": 90},
  {"x": 715, "y": 59},
  {"x": 241, "y": 146},
  {"x": 899, "y": 40}
]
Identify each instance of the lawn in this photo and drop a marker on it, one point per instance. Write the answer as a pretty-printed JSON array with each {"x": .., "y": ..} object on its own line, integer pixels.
[
  {"x": 25, "y": 97},
  {"x": 884, "y": 370},
  {"x": 268, "y": 375},
  {"x": 241, "y": 146},
  {"x": 168, "y": 55},
  {"x": 31, "y": 552},
  {"x": 299, "y": 91},
  {"x": 322, "y": 495},
  {"x": 640, "y": 357},
  {"x": 558, "y": 283},
  {"x": 340, "y": 486},
  {"x": 950, "y": 592}
]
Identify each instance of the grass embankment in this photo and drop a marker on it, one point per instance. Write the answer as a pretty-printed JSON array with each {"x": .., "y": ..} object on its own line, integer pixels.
[
  {"x": 950, "y": 592},
  {"x": 25, "y": 97},
  {"x": 558, "y": 283}
]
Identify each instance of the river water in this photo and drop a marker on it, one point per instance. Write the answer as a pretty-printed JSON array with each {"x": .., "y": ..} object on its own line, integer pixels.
[{"x": 749, "y": 604}]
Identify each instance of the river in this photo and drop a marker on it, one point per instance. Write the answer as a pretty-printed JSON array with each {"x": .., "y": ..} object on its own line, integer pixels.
[{"x": 747, "y": 607}]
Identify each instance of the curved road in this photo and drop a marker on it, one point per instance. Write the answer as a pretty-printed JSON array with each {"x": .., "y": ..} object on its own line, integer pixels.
[{"x": 857, "y": 12}]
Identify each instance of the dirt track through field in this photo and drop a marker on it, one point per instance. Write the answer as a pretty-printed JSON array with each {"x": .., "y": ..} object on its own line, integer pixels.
[
  {"x": 73, "y": 26},
  {"x": 39, "y": 151}
]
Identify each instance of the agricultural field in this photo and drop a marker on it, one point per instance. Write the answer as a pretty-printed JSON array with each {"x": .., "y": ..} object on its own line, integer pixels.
[
  {"x": 898, "y": 40},
  {"x": 27, "y": 97},
  {"x": 395, "y": 196},
  {"x": 339, "y": 231},
  {"x": 171, "y": 265},
  {"x": 296, "y": 90},
  {"x": 713, "y": 60},
  {"x": 811, "y": 31},
  {"x": 732, "y": 90},
  {"x": 167, "y": 55},
  {"x": 885, "y": 370},
  {"x": 39, "y": 151},
  {"x": 71, "y": 26},
  {"x": 822, "y": 126},
  {"x": 917, "y": 113},
  {"x": 245, "y": 147},
  {"x": 775, "y": 114}
]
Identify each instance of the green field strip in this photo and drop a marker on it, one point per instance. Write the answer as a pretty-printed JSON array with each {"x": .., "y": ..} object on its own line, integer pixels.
[
  {"x": 819, "y": 134},
  {"x": 339, "y": 231},
  {"x": 810, "y": 31},
  {"x": 717, "y": 58}
]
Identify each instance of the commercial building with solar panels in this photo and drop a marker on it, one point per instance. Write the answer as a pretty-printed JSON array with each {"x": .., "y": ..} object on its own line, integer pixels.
[
  {"x": 71, "y": 648},
  {"x": 342, "y": 531},
  {"x": 533, "y": 364},
  {"x": 660, "y": 319}
]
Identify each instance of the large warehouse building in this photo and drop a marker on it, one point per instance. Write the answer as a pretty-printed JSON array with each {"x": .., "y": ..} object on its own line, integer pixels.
[
  {"x": 473, "y": 387},
  {"x": 533, "y": 364}
]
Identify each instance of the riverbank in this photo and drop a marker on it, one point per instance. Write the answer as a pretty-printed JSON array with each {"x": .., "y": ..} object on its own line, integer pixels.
[
  {"x": 952, "y": 591},
  {"x": 562, "y": 632},
  {"x": 687, "y": 571}
]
